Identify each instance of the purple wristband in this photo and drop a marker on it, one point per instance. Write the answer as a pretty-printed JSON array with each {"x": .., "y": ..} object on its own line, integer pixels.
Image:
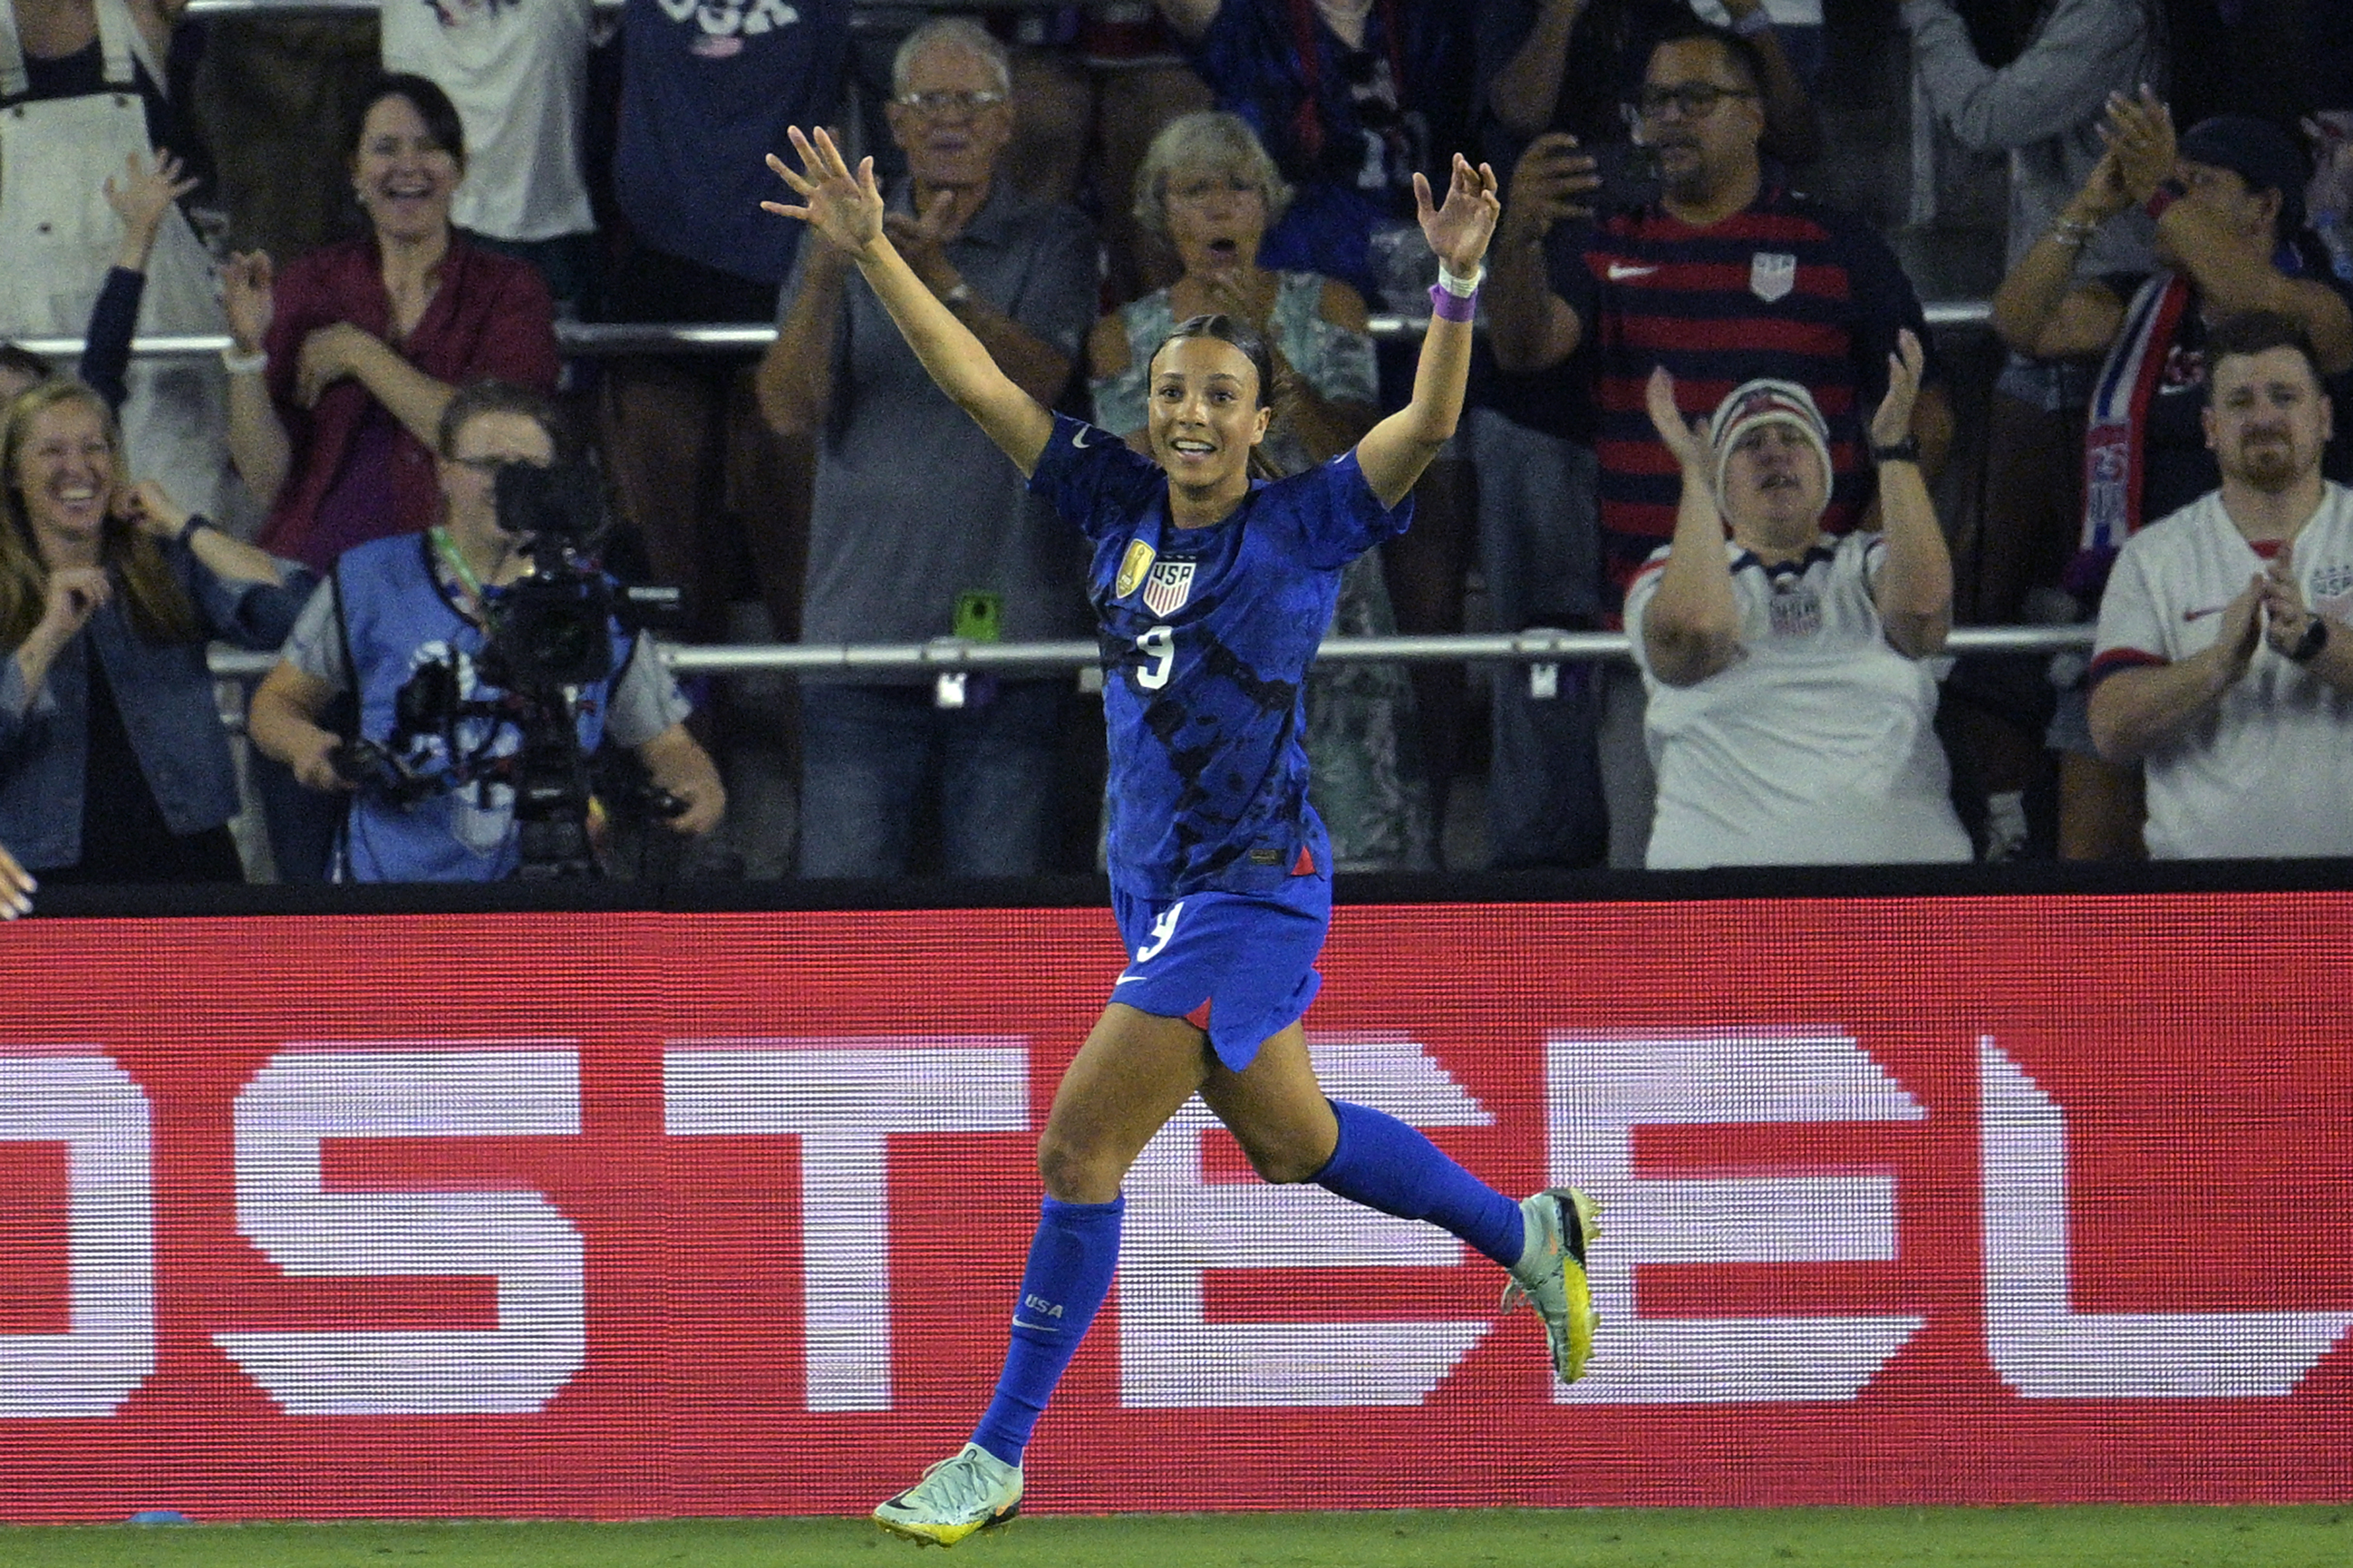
[{"x": 1447, "y": 307}]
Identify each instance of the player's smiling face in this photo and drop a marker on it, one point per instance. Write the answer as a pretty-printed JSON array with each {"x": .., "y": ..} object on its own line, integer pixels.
[{"x": 1205, "y": 413}]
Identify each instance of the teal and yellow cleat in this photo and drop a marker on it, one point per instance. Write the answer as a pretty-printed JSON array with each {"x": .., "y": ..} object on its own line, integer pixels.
[
  {"x": 956, "y": 1497},
  {"x": 1550, "y": 1274}
]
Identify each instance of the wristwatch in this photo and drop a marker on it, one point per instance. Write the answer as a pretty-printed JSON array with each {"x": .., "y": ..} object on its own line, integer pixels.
[
  {"x": 1907, "y": 450},
  {"x": 2307, "y": 647}
]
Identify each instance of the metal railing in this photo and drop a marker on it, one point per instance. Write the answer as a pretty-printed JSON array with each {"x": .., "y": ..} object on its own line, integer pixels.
[
  {"x": 599, "y": 339},
  {"x": 947, "y": 655}
]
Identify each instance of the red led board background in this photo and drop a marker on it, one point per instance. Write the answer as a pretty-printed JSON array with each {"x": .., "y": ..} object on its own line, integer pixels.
[{"x": 1934, "y": 1200}]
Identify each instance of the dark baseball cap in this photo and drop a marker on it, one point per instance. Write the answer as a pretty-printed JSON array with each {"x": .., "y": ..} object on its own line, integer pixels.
[{"x": 2259, "y": 153}]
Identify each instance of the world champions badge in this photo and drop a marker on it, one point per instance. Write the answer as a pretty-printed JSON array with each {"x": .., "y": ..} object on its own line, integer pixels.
[{"x": 1131, "y": 569}]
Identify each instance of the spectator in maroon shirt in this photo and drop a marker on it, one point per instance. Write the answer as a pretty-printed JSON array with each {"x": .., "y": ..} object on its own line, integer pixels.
[{"x": 342, "y": 364}]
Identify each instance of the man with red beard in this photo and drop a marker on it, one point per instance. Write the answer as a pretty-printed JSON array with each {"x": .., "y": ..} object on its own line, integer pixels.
[{"x": 2225, "y": 660}]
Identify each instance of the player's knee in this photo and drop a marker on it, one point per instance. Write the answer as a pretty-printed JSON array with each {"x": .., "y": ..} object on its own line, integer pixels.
[
  {"x": 1286, "y": 1162},
  {"x": 1074, "y": 1171}
]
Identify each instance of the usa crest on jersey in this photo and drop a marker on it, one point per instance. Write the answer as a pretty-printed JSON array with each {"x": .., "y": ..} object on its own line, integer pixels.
[
  {"x": 1772, "y": 274},
  {"x": 1168, "y": 586}
]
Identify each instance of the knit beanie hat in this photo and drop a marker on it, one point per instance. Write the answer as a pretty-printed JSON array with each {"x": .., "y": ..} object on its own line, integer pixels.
[{"x": 1765, "y": 402}]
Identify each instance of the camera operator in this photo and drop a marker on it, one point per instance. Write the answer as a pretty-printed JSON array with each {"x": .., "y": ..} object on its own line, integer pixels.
[{"x": 393, "y": 607}]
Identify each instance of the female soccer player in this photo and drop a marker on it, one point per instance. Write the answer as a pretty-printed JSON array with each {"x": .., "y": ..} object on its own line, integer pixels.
[{"x": 1212, "y": 590}]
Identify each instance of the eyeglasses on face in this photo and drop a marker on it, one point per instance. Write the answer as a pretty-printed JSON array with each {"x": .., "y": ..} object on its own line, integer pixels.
[
  {"x": 1693, "y": 100},
  {"x": 949, "y": 103}
]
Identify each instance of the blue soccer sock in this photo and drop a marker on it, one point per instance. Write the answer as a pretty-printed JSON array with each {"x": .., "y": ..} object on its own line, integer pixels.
[
  {"x": 1385, "y": 1164},
  {"x": 1071, "y": 1263}
]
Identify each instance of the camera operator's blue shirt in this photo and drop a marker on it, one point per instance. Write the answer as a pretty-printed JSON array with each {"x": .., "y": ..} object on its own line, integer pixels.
[
  {"x": 1207, "y": 635},
  {"x": 386, "y": 610}
]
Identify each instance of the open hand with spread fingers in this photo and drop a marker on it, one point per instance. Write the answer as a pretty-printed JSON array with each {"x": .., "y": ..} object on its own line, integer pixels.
[
  {"x": 1458, "y": 232},
  {"x": 843, "y": 206},
  {"x": 1688, "y": 442}
]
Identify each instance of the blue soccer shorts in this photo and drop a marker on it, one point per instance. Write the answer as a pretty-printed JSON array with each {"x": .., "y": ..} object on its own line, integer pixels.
[{"x": 1249, "y": 959}]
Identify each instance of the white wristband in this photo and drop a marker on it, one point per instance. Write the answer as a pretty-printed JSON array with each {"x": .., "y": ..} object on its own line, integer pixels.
[
  {"x": 237, "y": 363},
  {"x": 1459, "y": 287}
]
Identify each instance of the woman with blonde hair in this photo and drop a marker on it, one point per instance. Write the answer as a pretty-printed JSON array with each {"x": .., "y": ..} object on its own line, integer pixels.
[
  {"x": 114, "y": 765},
  {"x": 1208, "y": 189}
]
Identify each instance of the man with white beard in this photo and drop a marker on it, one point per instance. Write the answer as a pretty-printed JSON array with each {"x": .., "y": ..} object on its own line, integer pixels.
[{"x": 2225, "y": 658}]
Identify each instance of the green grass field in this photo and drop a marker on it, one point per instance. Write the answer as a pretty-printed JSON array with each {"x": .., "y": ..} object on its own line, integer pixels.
[{"x": 2316, "y": 1536}]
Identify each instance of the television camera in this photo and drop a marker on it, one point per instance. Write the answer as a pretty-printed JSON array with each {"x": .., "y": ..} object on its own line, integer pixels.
[{"x": 514, "y": 726}]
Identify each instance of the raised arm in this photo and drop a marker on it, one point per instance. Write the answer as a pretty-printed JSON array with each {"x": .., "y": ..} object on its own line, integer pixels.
[
  {"x": 258, "y": 442},
  {"x": 1529, "y": 326},
  {"x": 2039, "y": 309},
  {"x": 846, "y": 209},
  {"x": 1691, "y": 628},
  {"x": 1526, "y": 91},
  {"x": 2233, "y": 274},
  {"x": 142, "y": 199},
  {"x": 1793, "y": 132},
  {"x": 1913, "y": 589},
  {"x": 1394, "y": 452}
]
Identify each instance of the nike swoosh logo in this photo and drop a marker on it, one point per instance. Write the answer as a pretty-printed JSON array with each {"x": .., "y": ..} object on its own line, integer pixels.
[
  {"x": 1041, "y": 1328},
  {"x": 1083, "y": 437},
  {"x": 1619, "y": 271},
  {"x": 2200, "y": 615},
  {"x": 1126, "y": 979}
]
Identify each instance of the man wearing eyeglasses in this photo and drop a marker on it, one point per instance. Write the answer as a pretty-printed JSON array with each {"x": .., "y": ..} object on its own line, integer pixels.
[
  {"x": 919, "y": 527},
  {"x": 1723, "y": 278}
]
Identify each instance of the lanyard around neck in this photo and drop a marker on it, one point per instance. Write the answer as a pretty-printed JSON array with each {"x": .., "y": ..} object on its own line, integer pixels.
[{"x": 455, "y": 559}]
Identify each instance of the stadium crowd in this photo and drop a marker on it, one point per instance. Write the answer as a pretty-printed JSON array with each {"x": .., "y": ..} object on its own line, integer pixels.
[{"x": 1707, "y": 408}]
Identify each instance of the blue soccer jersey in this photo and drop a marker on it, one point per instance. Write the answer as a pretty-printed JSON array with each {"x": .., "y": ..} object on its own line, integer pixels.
[{"x": 1207, "y": 635}]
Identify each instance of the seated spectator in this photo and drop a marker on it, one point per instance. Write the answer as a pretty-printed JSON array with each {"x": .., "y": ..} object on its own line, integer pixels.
[
  {"x": 2225, "y": 653},
  {"x": 1554, "y": 78},
  {"x": 343, "y": 365},
  {"x": 518, "y": 72},
  {"x": 920, "y": 527},
  {"x": 2228, "y": 204},
  {"x": 1790, "y": 716},
  {"x": 1728, "y": 277},
  {"x": 391, "y": 604},
  {"x": 113, "y": 764},
  {"x": 1208, "y": 188},
  {"x": 85, "y": 85}
]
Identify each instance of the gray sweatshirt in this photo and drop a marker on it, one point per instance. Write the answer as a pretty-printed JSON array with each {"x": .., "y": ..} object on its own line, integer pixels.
[{"x": 2045, "y": 108}]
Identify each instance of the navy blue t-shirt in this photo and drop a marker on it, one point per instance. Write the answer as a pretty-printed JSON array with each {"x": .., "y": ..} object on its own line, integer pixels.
[
  {"x": 707, "y": 88},
  {"x": 1208, "y": 634}
]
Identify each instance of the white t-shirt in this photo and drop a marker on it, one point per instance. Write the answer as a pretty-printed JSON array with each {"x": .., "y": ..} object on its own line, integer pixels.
[
  {"x": 518, "y": 72},
  {"x": 1817, "y": 745},
  {"x": 2270, "y": 772}
]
